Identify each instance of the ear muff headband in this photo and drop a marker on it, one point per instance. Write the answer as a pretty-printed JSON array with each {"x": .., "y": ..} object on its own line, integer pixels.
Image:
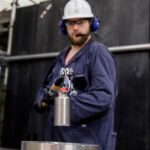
[{"x": 95, "y": 24}]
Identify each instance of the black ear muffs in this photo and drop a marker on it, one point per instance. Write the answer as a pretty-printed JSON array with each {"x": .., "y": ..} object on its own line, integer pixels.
[{"x": 95, "y": 24}]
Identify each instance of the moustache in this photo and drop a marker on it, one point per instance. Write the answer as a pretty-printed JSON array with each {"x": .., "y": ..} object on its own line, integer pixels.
[{"x": 81, "y": 34}]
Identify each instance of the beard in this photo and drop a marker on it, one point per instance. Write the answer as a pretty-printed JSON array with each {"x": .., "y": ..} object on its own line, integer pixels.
[{"x": 80, "y": 39}]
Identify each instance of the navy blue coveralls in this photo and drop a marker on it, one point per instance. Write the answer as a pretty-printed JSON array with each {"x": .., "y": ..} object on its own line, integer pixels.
[{"x": 92, "y": 109}]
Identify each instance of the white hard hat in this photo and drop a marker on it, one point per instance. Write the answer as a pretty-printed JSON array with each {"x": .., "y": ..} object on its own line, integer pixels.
[{"x": 77, "y": 9}]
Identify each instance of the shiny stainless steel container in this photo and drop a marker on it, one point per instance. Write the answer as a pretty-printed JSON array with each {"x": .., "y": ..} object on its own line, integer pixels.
[
  {"x": 62, "y": 110},
  {"x": 39, "y": 145}
]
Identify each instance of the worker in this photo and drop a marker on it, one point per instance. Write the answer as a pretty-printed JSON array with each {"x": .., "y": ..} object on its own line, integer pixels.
[{"x": 93, "y": 105}]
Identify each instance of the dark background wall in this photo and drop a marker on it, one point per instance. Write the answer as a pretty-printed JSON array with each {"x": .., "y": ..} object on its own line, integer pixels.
[
  {"x": 122, "y": 23},
  {"x": 132, "y": 110}
]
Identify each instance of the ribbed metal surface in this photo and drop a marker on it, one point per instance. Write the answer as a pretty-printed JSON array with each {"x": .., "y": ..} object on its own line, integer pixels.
[{"x": 33, "y": 145}]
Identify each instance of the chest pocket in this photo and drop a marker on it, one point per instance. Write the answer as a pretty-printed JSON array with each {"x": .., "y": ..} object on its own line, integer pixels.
[
  {"x": 80, "y": 82},
  {"x": 81, "y": 75}
]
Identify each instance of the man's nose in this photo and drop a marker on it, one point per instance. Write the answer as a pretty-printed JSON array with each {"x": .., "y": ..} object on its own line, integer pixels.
[{"x": 76, "y": 26}]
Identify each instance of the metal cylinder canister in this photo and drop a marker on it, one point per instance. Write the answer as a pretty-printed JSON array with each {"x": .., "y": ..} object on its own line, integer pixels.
[{"x": 62, "y": 110}]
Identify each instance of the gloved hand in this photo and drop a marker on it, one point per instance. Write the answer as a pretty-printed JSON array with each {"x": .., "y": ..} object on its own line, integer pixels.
[
  {"x": 50, "y": 97},
  {"x": 42, "y": 105}
]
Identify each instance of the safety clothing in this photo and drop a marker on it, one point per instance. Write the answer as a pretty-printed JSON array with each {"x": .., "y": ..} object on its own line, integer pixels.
[
  {"x": 77, "y": 9},
  {"x": 92, "y": 109}
]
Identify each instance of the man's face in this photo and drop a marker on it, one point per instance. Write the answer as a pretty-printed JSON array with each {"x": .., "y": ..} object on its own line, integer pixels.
[{"x": 78, "y": 31}]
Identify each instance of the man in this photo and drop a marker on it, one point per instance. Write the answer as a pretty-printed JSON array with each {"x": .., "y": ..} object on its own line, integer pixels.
[{"x": 92, "y": 108}]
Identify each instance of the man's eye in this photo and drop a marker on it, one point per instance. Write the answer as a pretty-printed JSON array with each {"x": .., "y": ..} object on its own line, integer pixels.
[{"x": 70, "y": 23}]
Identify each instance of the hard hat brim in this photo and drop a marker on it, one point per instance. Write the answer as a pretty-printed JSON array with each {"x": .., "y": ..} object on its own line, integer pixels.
[{"x": 73, "y": 17}]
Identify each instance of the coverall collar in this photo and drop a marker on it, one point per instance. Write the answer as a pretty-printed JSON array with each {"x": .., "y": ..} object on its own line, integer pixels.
[{"x": 77, "y": 55}]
